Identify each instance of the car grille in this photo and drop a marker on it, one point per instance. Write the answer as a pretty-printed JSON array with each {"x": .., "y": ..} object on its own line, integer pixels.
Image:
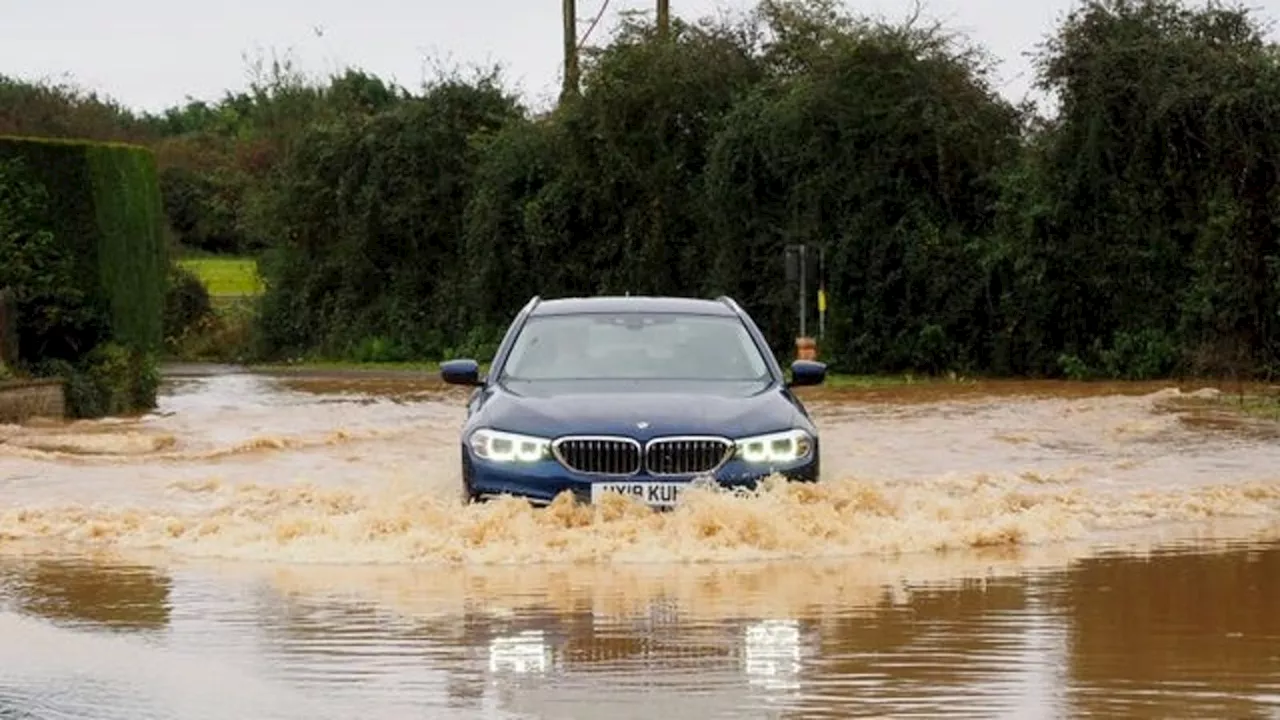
[
  {"x": 599, "y": 456},
  {"x": 686, "y": 456}
]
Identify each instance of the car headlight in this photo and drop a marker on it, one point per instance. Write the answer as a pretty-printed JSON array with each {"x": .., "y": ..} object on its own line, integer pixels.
[
  {"x": 504, "y": 447},
  {"x": 781, "y": 447}
]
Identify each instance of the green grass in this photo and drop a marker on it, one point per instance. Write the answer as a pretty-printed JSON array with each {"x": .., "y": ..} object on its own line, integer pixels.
[
  {"x": 834, "y": 380},
  {"x": 868, "y": 382},
  {"x": 1266, "y": 407},
  {"x": 226, "y": 277},
  {"x": 353, "y": 366}
]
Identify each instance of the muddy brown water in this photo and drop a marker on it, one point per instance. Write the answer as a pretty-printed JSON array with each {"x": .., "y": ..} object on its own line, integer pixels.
[{"x": 266, "y": 547}]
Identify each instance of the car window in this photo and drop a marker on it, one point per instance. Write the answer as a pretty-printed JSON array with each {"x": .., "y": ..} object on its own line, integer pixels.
[{"x": 626, "y": 346}]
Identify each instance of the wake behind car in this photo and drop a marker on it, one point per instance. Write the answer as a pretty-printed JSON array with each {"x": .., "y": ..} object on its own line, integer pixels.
[{"x": 634, "y": 395}]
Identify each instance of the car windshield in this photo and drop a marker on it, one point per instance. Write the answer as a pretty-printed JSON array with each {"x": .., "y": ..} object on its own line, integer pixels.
[{"x": 635, "y": 346}]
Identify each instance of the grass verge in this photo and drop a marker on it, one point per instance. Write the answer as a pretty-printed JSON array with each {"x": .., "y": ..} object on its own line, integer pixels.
[
  {"x": 350, "y": 367},
  {"x": 226, "y": 277},
  {"x": 839, "y": 381},
  {"x": 344, "y": 367},
  {"x": 233, "y": 284},
  {"x": 224, "y": 336},
  {"x": 1259, "y": 405}
]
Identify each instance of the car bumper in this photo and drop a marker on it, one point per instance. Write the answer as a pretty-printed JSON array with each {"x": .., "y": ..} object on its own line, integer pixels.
[{"x": 542, "y": 482}]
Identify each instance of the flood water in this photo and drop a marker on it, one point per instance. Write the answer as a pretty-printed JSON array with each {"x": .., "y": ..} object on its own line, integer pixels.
[{"x": 280, "y": 548}]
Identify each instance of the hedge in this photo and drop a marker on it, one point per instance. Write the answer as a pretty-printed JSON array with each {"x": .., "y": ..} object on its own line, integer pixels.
[{"x": 88, "y": 264}]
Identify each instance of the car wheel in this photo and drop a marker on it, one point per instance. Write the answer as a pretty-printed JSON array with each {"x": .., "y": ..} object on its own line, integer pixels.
[{"x": 467, "y": 497}]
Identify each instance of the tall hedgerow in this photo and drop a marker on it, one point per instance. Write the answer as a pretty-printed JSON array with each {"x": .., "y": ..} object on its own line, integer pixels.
[{"x": 81, "y": 231}]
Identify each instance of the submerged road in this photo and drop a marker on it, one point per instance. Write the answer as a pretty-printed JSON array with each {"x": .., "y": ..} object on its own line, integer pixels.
[{"x": 294, "y": 547}]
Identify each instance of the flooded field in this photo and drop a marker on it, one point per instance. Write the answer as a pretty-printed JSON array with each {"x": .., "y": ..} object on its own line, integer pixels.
[{"x": 296, "y": 548}]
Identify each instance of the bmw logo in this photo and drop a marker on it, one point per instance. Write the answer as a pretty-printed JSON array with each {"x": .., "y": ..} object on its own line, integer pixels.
[{"x": 642, "y": 425}]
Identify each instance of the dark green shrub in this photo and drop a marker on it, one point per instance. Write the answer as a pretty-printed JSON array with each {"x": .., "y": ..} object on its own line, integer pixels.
[
  {"x": 186, "y": 303},
  {"x": 54, "y": 316},
  {"x": 370, "y": 228},
  {"x": 1132, "y": 235},
  {"x": 111, "y": 380},
  {"x": 202, "y": 210}
]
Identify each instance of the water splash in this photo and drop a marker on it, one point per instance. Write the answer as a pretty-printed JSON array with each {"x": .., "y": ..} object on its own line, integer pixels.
[{"x": 403, "y": 523}]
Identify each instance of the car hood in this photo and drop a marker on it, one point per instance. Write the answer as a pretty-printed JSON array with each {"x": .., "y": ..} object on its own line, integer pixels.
[{"x": 639, "y": 413}]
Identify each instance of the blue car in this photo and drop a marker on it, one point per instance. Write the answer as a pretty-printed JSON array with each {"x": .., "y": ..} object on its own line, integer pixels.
[{"x": 633, "y": 395}]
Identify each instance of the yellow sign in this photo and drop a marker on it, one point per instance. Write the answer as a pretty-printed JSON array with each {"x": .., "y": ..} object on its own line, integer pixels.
[{"x": 822, "y": 301}]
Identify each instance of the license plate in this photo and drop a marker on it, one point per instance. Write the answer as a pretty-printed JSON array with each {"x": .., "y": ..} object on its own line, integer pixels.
[{"x": 654, "y": 494}]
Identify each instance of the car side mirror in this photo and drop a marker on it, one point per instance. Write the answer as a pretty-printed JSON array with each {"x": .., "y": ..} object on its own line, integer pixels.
[
  {"x": 460, "y": 372},
  {"x": 807, "y": 372}
]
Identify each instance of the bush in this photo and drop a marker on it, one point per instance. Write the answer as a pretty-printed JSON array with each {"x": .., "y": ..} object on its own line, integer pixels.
[
  {"x": 202, "y": 209},
  {"x": 369, "y": 229},
  {"x": 1132, "y": 235},
  {"x": 186, "y": 303},
  {"x": 54, "y": 318},
  {"x": 110, "y": 380},
  {"x": 224, "y": 335}
]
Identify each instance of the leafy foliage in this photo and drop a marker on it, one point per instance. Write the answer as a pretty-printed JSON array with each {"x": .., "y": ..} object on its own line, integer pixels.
[
  {"x": 187, "y": 302},
  {"x": 110, "y": 380},
  {"x": 368, "y": 225},
  {"x": 63, "y": 110},
  {"x": 606, "y": 195},
  {"x": 883, "y": 150},
  {"x": 1133, "y": 234},
  {"x": 1149, "y": 222},
  {"x": 57, "y": 316}
]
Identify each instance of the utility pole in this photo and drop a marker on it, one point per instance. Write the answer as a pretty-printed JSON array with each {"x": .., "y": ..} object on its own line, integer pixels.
[
  {"x": 664, "y": 18},
  {"x": 797, "y": 271},
  {"x": 804, "y": 270},
  {"x": 570, "y": 88}
]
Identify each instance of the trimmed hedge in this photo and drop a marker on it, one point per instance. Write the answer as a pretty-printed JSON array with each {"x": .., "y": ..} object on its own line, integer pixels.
[{"x": 88, "y": 263}]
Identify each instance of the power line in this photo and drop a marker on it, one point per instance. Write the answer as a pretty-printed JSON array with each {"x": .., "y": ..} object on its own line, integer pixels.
[{"x": 603, "y": 7}]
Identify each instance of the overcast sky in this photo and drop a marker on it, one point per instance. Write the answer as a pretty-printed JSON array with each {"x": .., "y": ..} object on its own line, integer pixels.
[{"x": 150, "y": 54}]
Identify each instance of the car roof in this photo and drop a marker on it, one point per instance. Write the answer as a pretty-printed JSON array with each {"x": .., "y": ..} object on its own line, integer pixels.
[{"x": 632, "y": 303}]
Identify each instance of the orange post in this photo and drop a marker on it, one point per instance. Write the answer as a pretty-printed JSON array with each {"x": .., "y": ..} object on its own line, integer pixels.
[{"x": 806, "y": 348}]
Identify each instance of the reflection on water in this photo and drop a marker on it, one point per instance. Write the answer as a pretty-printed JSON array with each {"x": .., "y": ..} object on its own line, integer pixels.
[
  {"x": 311, "y": 552},
  {"x": 771, "y": 654},
  {"x": 1187, "y": 634},
  {"x": 1201, "y": 629},
  {"x": 128, "y": 598},
  {"x": 522, "y": 653}
]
